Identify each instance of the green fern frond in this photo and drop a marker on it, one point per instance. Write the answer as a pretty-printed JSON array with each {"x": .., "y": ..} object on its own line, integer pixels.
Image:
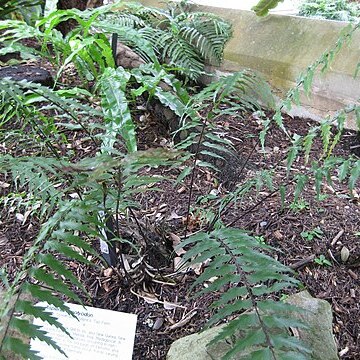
[
  {"x": 241, "y": 271},
  {"x": 208, "y": 34},
  {"x": 118, "y": 119},
  {"x": 40, "y": 268}
]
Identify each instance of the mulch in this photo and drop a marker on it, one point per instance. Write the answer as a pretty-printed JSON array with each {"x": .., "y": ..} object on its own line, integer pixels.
[{"x": 163, "y": 299}]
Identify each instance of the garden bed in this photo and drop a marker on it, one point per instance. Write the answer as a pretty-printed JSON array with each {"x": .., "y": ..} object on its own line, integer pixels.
[{"x": 308, "y": 236}]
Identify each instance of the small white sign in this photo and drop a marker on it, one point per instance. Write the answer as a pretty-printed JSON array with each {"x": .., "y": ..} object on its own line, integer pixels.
[{"x": 97, "y": 334}]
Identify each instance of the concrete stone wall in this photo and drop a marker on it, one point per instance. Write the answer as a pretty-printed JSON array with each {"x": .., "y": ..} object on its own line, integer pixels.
[{"x": 281, "y": 47}]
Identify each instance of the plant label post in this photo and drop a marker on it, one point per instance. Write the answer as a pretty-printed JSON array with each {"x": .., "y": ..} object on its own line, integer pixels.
[
  {"x": 107, "y": 249},
  {"x": 114, "y": 41}
]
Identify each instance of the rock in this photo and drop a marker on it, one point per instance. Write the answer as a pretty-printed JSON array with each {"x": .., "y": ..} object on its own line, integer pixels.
[
  {"x": 29, "y": 73},
  {"x": 317, "y": 337},
  {"x": 127, "y": 58},
  {"x": 12, "y": 332},
  {"x": 195, "y": 346}
]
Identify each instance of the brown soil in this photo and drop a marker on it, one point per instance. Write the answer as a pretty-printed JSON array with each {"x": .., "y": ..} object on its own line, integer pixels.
[{"x": 161, "y": 299}]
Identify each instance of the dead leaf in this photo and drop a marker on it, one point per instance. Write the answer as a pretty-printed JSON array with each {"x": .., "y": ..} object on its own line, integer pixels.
[
  {"x": 3, "y": 239},
  {"x": 345, "y": 253},
  {"x": 108, "y": 272},
  {"x": 176, "y": 241},
  {"x": 174, "y": 216},
  {"x": 181, "y": 190},
  {"x": 4, "y": 185},
  {"x": 185, "y": 320},
  {"x": 178, "y": 264},
  {"x": 278, "y": 235},
  {"x": 198, "y": 268}
]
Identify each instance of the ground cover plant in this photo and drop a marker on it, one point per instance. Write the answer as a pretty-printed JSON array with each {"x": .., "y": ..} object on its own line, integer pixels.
[
  {"x": 341, "y": 10},
  {"x": 78, "y": 165}
]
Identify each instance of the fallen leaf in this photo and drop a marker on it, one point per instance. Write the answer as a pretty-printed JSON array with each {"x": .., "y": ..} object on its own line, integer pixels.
[
  {"x": 176, "y": 241},
  {"x": 345, "y": 253},
  {"x": 158, "y": 323},
  {"x": 278, "y": 235},
  {"x": 174, "y": 216},
  {"x": 181, "y": 190},
  {"x": 108, "y": 272},
  {"x": 4, "y": 185},
  {"x": 178, "y": 264},
  {"x": 184, "y": 321}
]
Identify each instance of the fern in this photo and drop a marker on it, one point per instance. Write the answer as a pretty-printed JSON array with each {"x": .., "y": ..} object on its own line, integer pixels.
[
  {"x": 32, "y": 278},
  {"x": 186, "y": 40},
  {"x": 240, "y": 266},
  {"x": 117, "y": 114}
]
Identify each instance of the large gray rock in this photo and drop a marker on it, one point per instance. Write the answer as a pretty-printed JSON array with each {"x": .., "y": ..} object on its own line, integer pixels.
[
  {"x": 194, "y": 347},
  {"x": 318, "y": 317},
  {"x": 317, "y": 337}
]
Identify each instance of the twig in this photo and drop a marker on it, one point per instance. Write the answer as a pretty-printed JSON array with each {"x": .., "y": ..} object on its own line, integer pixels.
[
  {"x": 299, "y": 264},
  {"x": 337, "y": 237}
]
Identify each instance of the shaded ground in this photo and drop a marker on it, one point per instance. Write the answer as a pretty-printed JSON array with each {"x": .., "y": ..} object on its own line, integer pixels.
[{"x": 162, "y": 298}]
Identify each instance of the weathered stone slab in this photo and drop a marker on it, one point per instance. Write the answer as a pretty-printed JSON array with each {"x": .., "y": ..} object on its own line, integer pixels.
[
  {"x": 318, "y": 317},
  {"x": 281, "y": 47},
  {"x": 317, "y": 337}
]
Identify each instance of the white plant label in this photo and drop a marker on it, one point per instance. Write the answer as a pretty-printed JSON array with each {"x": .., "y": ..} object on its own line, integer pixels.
[{"x": 97, "y": 334}]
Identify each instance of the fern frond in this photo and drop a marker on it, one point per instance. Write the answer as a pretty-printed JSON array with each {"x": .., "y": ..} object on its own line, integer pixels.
[
  {"x": 118, "y": 119},
  {"x": 241, "y": 271},
  {"x": 208, "y": 34},
  {"x": 40, "y": 268}
]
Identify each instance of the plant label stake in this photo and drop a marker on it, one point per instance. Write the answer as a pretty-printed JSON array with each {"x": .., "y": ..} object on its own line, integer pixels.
[
  {"x": 107, "y": 249},
  {"x": 114, "y": 41}
]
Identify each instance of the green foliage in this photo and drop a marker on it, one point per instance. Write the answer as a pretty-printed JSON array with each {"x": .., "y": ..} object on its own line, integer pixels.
[
  {"x": 66, "y": 193},
  {"x": 244, "y": 276},
  {"x": 16, "y": 7},
  {"x": 238, "y": 93},
  {"x": 116, "y": 110},
  {"x": 184, "y": 39},
  {"x": 263, "y": 6},
  {"x": 67, "y": 196},
  {"x": 341, "y": 10},
  {"x": 312, "y": 234},
  {"x": 299, "y": 205},
  {"x": 321, "y": 260}
]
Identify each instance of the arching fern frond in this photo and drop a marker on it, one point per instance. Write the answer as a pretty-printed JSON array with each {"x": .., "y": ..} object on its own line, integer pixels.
[
  {"x": 208, "y": 34},
  {"x": 235, "y": 94},
  {"x": 42, "y": 276},
  {"x": 244, "y": 276}
]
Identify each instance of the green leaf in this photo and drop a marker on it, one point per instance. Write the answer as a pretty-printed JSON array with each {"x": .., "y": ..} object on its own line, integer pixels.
[
  {"x": 33, "y": 331},
  {"x": 263, "y": 6},
  {"x": 46, "y": 296},
  {"x": 17, "y": 346},
  {"x": 116, "y": 110},
  {"x": 354, "y": 175},
  {"x": 344, "y": 170},
  {"x": 282, "y": 190},
  {"x": 59, "y": 268},
  {"x": 55, "y": 284},
  {"x": 65, "y": 250}
]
